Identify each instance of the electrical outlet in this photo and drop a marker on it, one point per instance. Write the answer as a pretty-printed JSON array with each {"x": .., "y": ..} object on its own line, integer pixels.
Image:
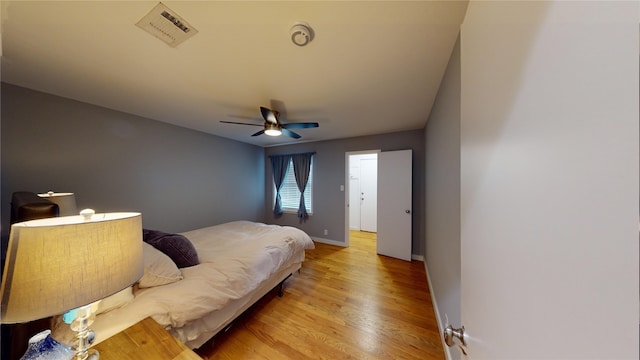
[{"x": 326, "y": 232}]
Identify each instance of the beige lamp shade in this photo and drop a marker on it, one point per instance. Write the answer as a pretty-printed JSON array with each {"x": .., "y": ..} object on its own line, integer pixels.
[
  {"x": 66, "y": 202},
  {"x": 57, "y": 264}
]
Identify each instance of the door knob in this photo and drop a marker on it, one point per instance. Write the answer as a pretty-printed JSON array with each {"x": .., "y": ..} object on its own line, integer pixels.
[
  {"x": 450, "y": 333},
  {"x": 408, "y": 211}
]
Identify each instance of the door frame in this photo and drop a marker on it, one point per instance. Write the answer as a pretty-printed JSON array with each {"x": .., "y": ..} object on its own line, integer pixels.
[{"x": 347, "y": 154}]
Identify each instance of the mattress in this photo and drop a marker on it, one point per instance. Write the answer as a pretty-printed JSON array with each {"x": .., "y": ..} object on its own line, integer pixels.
[{"x": 239, "y": 262}]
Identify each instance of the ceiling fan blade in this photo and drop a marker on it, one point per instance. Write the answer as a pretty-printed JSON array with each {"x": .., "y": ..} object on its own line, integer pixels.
[
  {"x": 269, "y": 115},
  {"x": 300, "y": 125},
  {"x": 258, "y": 133},
  {"x": 290, "y": 133},
  {"x": 239, "y": 123},
  {"x": 252, "y": 118}
]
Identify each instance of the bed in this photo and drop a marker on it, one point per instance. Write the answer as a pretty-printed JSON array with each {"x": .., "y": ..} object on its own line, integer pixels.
[{"x": 239, "y": 262}]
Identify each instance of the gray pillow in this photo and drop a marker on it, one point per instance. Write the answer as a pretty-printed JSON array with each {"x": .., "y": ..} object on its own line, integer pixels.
[{"x": 175, "y": 246}]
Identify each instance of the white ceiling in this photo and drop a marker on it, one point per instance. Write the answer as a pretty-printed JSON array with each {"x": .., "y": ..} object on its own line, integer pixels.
[{"x": 373, "y": 67}]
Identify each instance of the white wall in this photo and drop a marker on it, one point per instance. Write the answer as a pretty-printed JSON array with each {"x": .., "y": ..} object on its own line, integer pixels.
[
  {"x": 442, "y": 145},
  {"x": 549, "y": 190}
]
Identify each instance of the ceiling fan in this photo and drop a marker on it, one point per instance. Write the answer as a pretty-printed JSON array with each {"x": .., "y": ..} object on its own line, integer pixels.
[{"x": 273, "y": 126}]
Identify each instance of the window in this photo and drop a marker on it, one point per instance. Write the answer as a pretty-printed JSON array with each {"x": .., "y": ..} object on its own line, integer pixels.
[{"x": 289, "y": 193}]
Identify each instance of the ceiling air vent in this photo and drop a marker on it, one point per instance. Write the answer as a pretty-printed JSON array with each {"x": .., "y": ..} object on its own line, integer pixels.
[{"x": 166, "y": 25}]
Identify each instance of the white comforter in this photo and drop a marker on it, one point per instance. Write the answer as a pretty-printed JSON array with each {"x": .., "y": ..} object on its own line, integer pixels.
[{"x": 235, "y": 258}]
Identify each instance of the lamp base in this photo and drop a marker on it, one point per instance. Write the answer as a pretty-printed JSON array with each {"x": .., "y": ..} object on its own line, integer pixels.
[
  {"x": 90, "y": 355},
  {"x": 84, "y": 336}
]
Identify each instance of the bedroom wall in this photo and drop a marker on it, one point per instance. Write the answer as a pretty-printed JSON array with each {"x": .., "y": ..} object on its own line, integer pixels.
[
  {"x": 329, "y": 172},
  {"x": 442, "y": 241},
  {"x": 179, "y": 179}
]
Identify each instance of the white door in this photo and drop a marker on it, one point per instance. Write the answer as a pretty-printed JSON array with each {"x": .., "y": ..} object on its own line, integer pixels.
[
  {"x": 354, "y": 201},
  {"x": 549, "y": 187},
  {"x": 368, "y": 194},
  {"x": 394, "y": 204}
]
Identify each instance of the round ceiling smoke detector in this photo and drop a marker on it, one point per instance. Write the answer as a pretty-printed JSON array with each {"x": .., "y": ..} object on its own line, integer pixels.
[{"x": 301, "y": 34}]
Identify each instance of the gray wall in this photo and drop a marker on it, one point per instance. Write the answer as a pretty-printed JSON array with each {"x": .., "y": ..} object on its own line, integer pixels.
[
  {"x": 329, "y": 175},
  {"x": 442, "y": 146},
  {"x": 179, "y": 179}
]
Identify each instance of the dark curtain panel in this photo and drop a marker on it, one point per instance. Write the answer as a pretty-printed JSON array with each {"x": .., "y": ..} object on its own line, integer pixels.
[
  {"x": 301, "y": 169},
  {"x": 280, "y": 164}
]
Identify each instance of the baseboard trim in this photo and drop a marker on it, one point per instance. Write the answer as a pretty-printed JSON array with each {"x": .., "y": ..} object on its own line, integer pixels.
[
  {"x": 447, "y": 349},
  {"x": 417, "y": 257},
  {"x": 329, "y": 241}
]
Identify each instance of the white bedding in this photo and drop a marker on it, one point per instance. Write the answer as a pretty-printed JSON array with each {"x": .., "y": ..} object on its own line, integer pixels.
[{"x": 235, "y": 259}]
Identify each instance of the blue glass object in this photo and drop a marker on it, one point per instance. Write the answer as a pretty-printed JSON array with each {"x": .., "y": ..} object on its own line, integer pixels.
[
  {"x": 69, "y": 316},
  {"x": 43, "y": 347}
]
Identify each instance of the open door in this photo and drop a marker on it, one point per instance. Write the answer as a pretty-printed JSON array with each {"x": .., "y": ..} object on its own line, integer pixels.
[
  {"x": 549, "y": 186},
  {"x": 394, "y": 204}
]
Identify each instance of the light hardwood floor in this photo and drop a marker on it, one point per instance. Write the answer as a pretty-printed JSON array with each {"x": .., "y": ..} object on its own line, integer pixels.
[{"x": 346, "y": 303}]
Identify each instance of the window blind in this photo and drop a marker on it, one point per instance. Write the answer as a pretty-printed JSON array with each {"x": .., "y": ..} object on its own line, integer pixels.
[{"x": 289, "y": 193}]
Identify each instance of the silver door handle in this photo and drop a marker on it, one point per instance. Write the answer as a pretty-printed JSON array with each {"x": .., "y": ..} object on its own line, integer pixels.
[
  {"x": 408, "y": 211},
  {"x": 450, "y": 333}
]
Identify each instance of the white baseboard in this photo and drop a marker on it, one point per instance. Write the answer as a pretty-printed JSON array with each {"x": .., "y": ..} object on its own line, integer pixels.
[
  {"x": 447, "y": 350},
  {"x": 329, "y": 241},
  {"x": 417, "y": 257}
]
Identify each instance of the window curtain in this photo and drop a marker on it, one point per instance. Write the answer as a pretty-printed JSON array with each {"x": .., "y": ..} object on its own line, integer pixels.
[
  {"x": 279, "y": 164},
  {"x": 301, "y": 169}
]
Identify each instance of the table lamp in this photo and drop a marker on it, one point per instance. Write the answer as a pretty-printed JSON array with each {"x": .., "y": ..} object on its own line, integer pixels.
[
  {"x": 59, "y": 264},
  {"x": 66, "y": 202}
]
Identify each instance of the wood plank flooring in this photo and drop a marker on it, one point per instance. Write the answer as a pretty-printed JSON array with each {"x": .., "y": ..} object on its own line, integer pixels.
[{"x": 346, "y": 303}]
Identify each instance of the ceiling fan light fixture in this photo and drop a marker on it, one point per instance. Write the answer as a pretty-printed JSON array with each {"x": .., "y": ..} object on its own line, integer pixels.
[
  {"x": 272, "y": 129},
  {"x": 273, "y": 132}
]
